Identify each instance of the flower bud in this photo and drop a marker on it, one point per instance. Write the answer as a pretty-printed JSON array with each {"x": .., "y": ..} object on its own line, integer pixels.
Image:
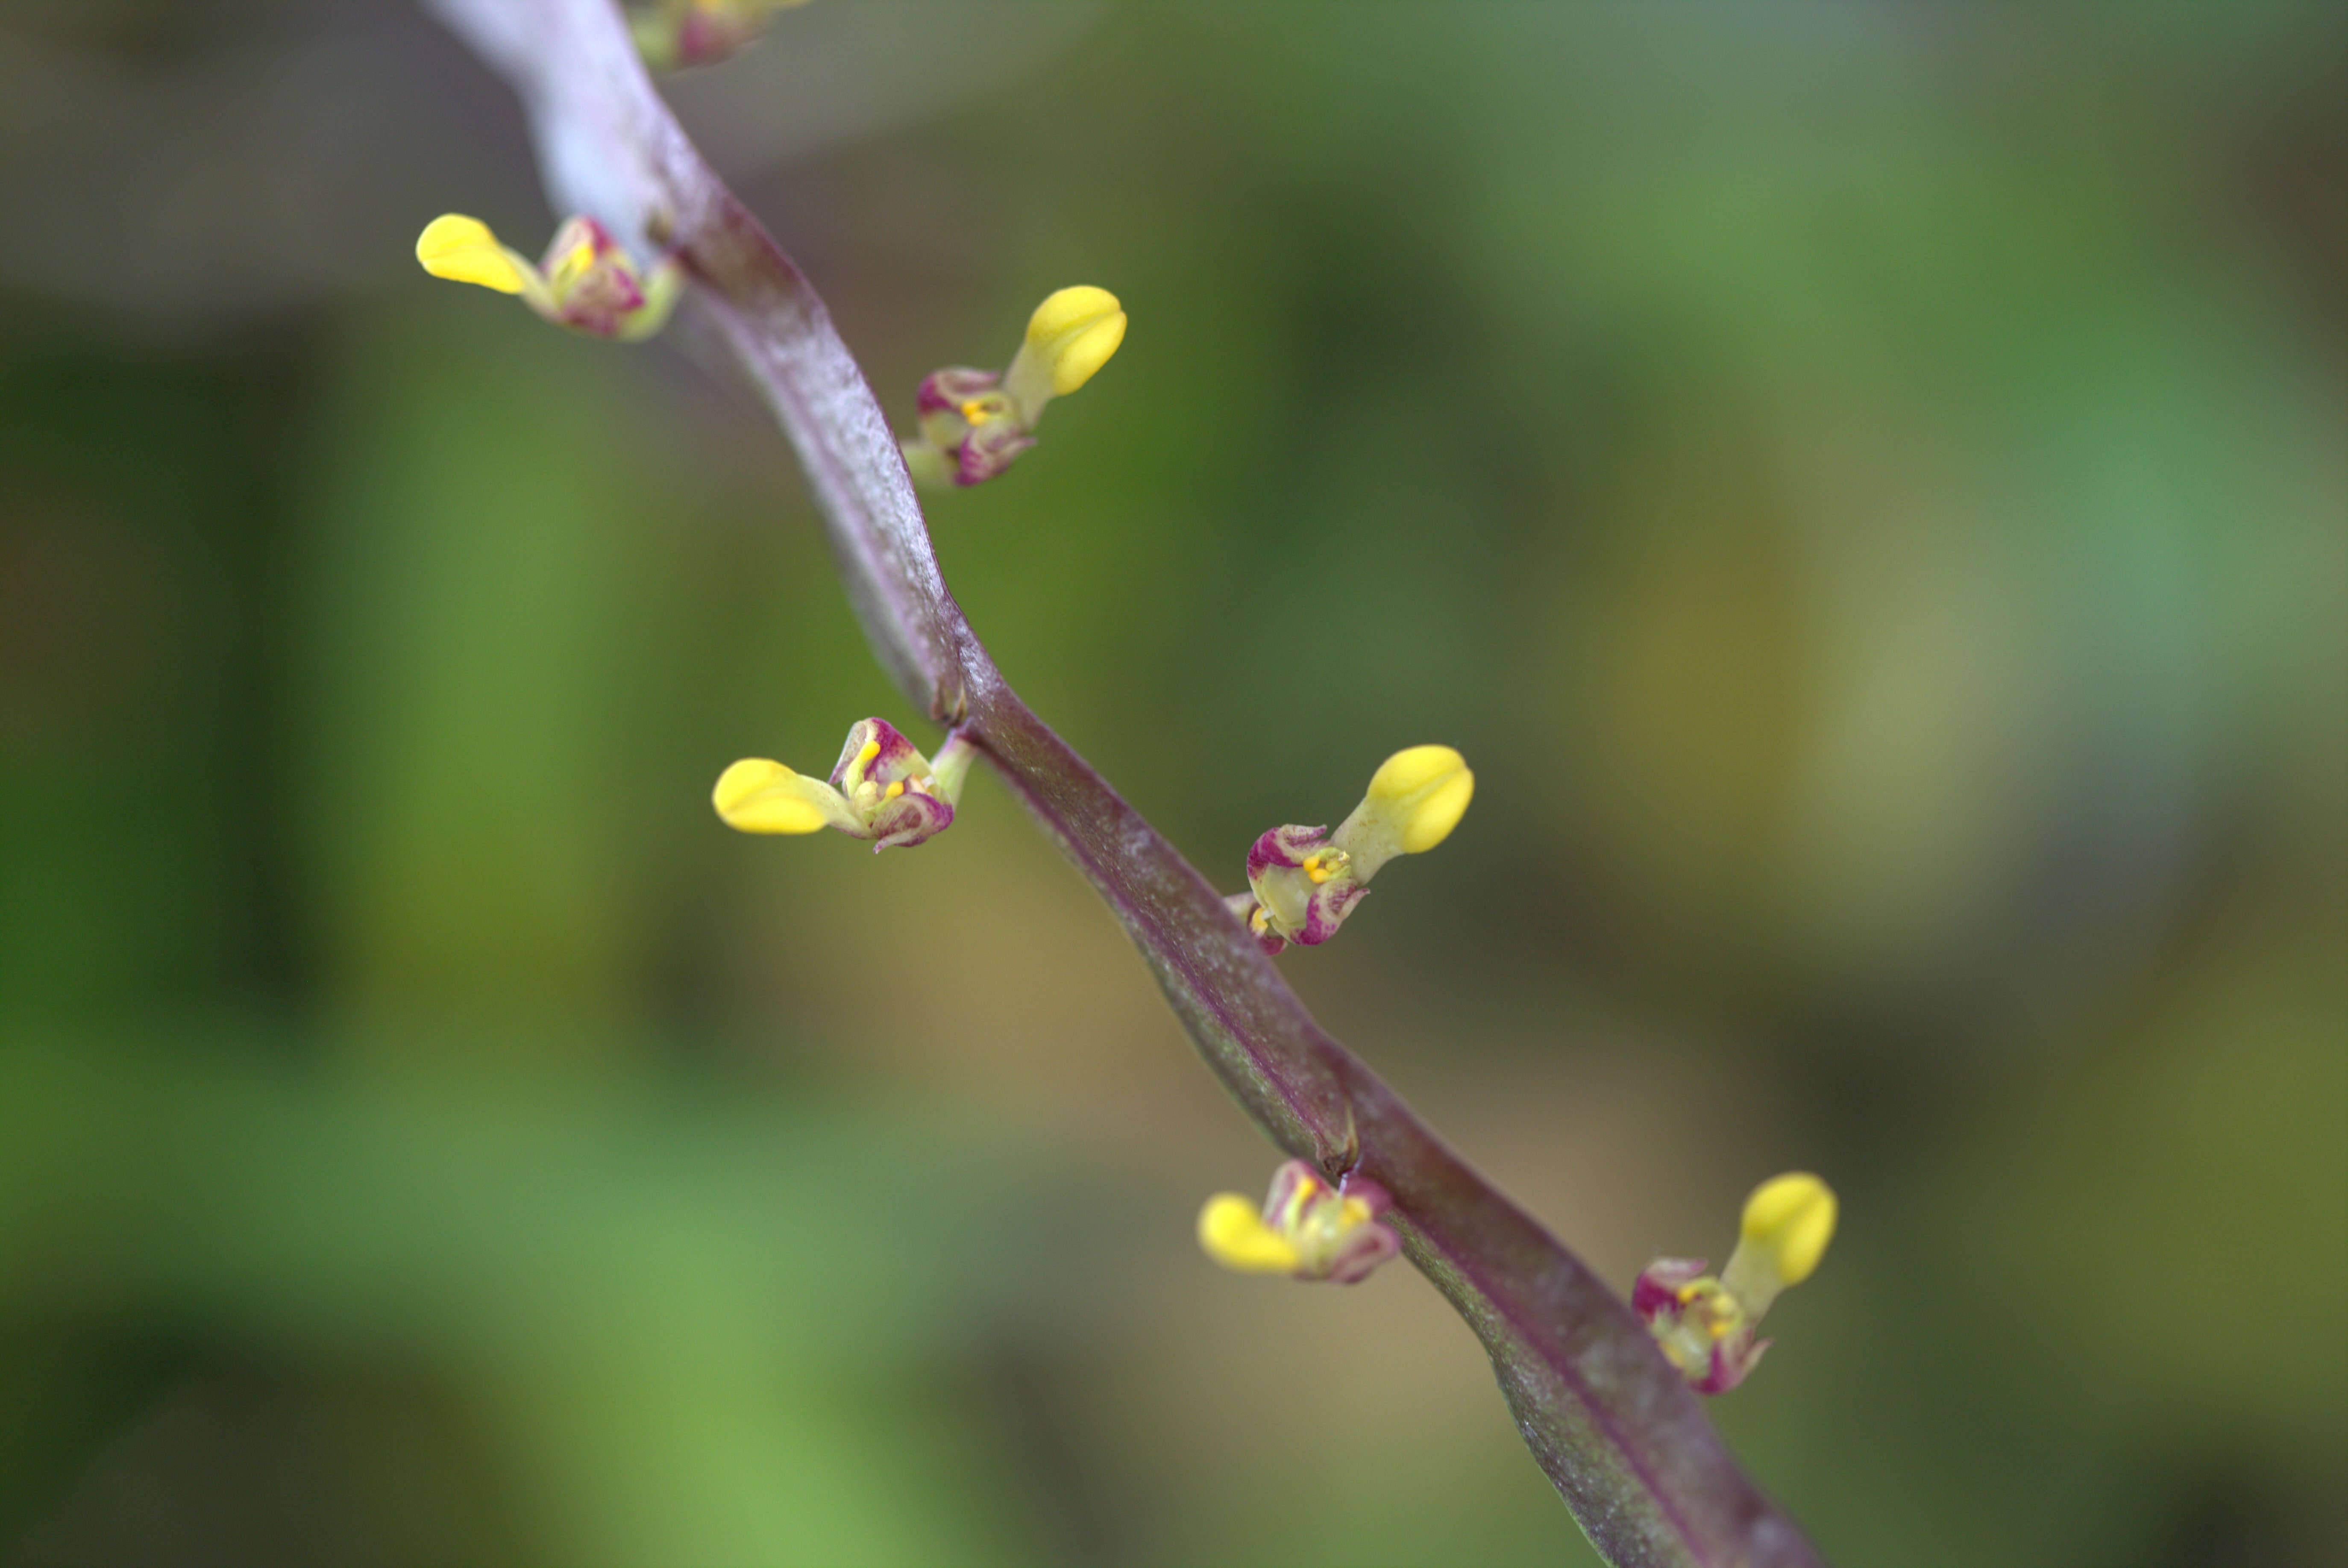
[{"x": 1306, "y": 1229}]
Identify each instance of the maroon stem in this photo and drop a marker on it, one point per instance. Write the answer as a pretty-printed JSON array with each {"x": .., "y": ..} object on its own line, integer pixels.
[{"x": 1617, "y": 1430}]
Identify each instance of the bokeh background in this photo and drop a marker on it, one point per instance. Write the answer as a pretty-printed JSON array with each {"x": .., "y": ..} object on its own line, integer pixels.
[{"x": 1865, "y": 483}]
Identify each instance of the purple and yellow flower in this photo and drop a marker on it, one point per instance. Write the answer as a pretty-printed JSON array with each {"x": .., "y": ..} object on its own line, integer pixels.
[
  {"x": 1304, "y": 881},
  {"x": 882, "y": 791},
  {"x": 588, "y": 281},
  {"x": 1705, "y": 1323},
  {"x": 973, "y": 423},
  {"x": 1306, "y": 1229}
]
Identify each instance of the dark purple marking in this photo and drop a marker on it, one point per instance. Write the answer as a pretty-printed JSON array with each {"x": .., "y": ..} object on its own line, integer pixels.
[
  {"x": 945, "y": 391},
  {"x": 1327, "y": 909},
  {"x": 1733, "y": 1360},
  {"x": 1285, "y": 846},
  {"x": 1657, "y": 1288},
  {"x": 992, "y": 446},
  {"x": 909, "y": 820}
]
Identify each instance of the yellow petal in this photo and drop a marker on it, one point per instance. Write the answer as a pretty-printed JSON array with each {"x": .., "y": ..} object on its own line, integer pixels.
[
  {"x": 1076, "y": 330},
  {"x": 755, "y": 796},
  {"x": 1233, "y": 1234},
  {"x": 462, "y": 249},
  {"x": 1410, "y": 770},
  {"x": 1435, "y": 816},
  {"x": 1067, "y": 308},
  {"x": 1431, "y": 787},
  {"x": 1080, "y": 356},
  {"x": 1789, "y": 1220}
]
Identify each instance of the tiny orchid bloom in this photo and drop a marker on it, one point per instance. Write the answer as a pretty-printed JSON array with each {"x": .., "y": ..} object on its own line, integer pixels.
[
  {"x": 1304, "y": 882},
  {"x": 973, "y": 423},
  {"x": 588, "y": 283},
  {"x": 1705, "y": 1324},
  {"x": 881, "y": 789},
  {"x": 677, "y": 32},
  {"x": 1306, "y": 1229}
]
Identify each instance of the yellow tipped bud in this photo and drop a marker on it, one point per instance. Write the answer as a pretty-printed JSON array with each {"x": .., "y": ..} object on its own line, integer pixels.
[
  {"x": 1789, "y": 1221},
  {"x": 1306, "y": 881},
  {"x": 755, "y": 796},
  {"x": 1234, "y": 1234},
  {"x": 1433, "y": 785},
  {"x": 462, "y": 249},
  {"x": 1074, "y": 332},
  {"x": 976, "y": 423},
  {"x": 1415, "y": 798},
  {"x": 1705, "y": 1325}
]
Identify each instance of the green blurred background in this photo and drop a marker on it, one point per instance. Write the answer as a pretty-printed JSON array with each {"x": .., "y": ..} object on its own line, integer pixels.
[{"x": 1866, "y": 485}]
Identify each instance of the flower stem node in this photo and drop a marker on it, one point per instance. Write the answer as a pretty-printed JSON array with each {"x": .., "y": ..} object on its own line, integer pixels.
[
  {"x": 588, "y": 281},
  {"x": 973, "y": 423},
  {"x": 674, "y": 34},
  {"x": 1306, "y": 1229},
  {"x": 882, "y": 789},
  {"x": 1705, "y": 1323},
  {"x": 1304, "y": 881}
]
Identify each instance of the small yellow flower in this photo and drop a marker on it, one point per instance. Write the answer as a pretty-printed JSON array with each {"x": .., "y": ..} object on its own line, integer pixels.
[
  {"x": 1304, "y": 881},
  {"x": 882, "y": 789},
  {"x": 973, "y": 423},
  {"x": 1306, "y": 1229},
  {"x": 1704, "y": 1323},
  {"x": 587, "y": 281}
]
